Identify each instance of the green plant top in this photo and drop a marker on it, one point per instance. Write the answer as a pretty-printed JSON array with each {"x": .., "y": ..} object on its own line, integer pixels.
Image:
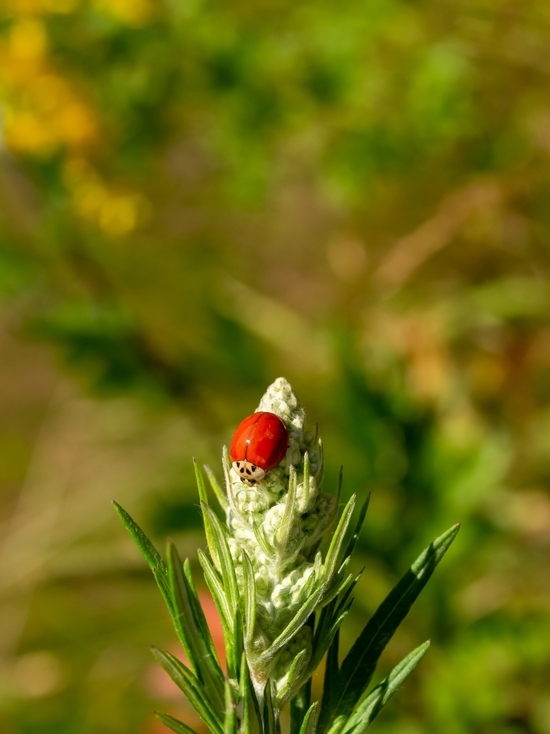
[{"x": 281, "y": 598}]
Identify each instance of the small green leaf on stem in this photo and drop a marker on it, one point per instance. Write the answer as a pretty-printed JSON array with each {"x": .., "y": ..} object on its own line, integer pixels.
[
  {"x": 220, "y": 496},
  {"x": 189, "y": 684},
  {"x": 174, "y": 724},
  {"x": 358, "y": 667},
  {"x": 148, "y": 551},
  {"x": 369, "y": 709},
  {"x": 308, "y": 724},
  {"x": 338, "y": 539},
  {"x": 189, "y": 631}
]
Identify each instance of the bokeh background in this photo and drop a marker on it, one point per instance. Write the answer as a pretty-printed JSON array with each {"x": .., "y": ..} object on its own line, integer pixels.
[{"x": 199, "y": 196}]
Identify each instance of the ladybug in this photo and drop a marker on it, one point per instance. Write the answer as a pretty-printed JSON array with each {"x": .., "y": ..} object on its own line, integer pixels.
[{"x": 258, "y": 445}]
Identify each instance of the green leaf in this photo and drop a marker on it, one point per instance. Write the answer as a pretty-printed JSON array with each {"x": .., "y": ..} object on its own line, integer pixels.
[
  {"x": 215, "y": 587},
  {"x": 299, "y": 706},
  {"x": 178, "y": 726},
  {"x": 269, "y": 720},
  {"x": 251, "y": 713},
  {"x": 284, "y": 692},
  {"x": 244, "y": 694},
  {"x": 326, "y": 630},
  {"x": 149, "y": 552},
  {"x": 199, "y": 616},
  {"x": 304, "y": 500},
  {"x": 339, "y": 585},
  {"x": 226, "y": 463},
  {"x": 189, "y": 631},
  {"x": 358, "y": 525},
  {"x": 211, "y": 538},
  {"x": 331, "y": 670},
  {"x": 218, "y": 491},
  {"x": 369, "y": 709},
  {"x": 261, "y": 540},
  {"x": 298, "y": 621},
  {"x": 230, "y": 721},
  {"x": 308, "y": 724},
  {"x": 249, "y": 599},
  {"x": 226, "y": 565},
  {"x": 321, "y": 643},
  {"x": 230, "y": 617},
  {"x": 333, "y": 552},
  {"x": 285, "y": 528},
  {"x": 234, "y": 645},
  {"x": 358, "y": 667},
  {"x": 343, "y": 600},
  {"x": 321, "y": 471},
  {"x": 191, "y": 687}
]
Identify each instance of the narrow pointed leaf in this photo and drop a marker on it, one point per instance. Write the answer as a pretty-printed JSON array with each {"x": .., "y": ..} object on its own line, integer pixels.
[
  {"x": 304, "y": 500},
  {"x": 358, "y": 525},
  {"x": 338, "y": 586},
  {"x": 216, "y": 589},
  {"x": 230, "y": 722},
  {"x": 249, "y": 589},
  {"x": 254, "y": 710},
  {"x": 308, "y": 724},
  {"x": 262, "y": 542},
  {"x": 226, "y": 463},
  {"x": 323, "y": 642},
  {"x": 234, "y": 645},
  {"x": 189, "y": 684},
  {"x": 321, "y": 471},
  {"x": 218, "y": 491},
  {"x": 324, "y": 623},
  {"x": 343, "y": 600},
  {"x": 210, "y": 533},
  {"x": 333, "y": 552},
  {"x": 245, "y": 695},
  {"x": 230, "y": 618},
  {"x": 268, "y": 719},
  {"x": 298, "y": 621},
  {"x": 358, "y": 667},
  {"x": 299, "y": 706},
  {"x": 200, "y": 482},
  {"x": 331, "y": 671},
  {"x": 148, "y": 551},
  {"x": 226, "y": 565},
  {"x": 284, "y": 692},
  {"x": 197, "y": 649},
  {"x": 379, "y": 696},
  {"x": 232, "y": 501},
  {"x": 174, "y": 724},
  {"x": 200, "y": 618},
  {"x": 286, "y": 521}
]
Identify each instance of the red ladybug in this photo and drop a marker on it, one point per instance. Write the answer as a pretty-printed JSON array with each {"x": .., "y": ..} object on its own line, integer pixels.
[{"x": 258, "y": 445}]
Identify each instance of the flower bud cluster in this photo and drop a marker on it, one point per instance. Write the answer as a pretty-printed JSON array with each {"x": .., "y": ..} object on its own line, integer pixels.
[{"x": 279, "y": 523}]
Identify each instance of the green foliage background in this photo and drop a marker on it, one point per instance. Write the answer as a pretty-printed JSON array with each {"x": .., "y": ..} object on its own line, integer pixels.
[{"x": 196, "y": 197}]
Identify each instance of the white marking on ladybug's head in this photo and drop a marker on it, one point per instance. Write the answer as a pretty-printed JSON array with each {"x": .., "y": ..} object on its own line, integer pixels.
[{"x": 249, "y": 473}]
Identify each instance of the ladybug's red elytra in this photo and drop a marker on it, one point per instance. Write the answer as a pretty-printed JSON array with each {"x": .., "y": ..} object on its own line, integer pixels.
[{"x": 258, "y": 445}]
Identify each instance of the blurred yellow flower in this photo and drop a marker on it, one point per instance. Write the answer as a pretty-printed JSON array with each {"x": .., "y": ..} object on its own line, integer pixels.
[
  {"x": 60, "y": 6},
  {"x": 116, "y": 213},
  {"x": 25, "y": 132},
  {"x": 42, "y": 111},
  {"x": 27, "y": 40},
  {"x": 132, "y": 12},
  {"x": 75, "y": 124},
  {"x": 30, "y": 7}
]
